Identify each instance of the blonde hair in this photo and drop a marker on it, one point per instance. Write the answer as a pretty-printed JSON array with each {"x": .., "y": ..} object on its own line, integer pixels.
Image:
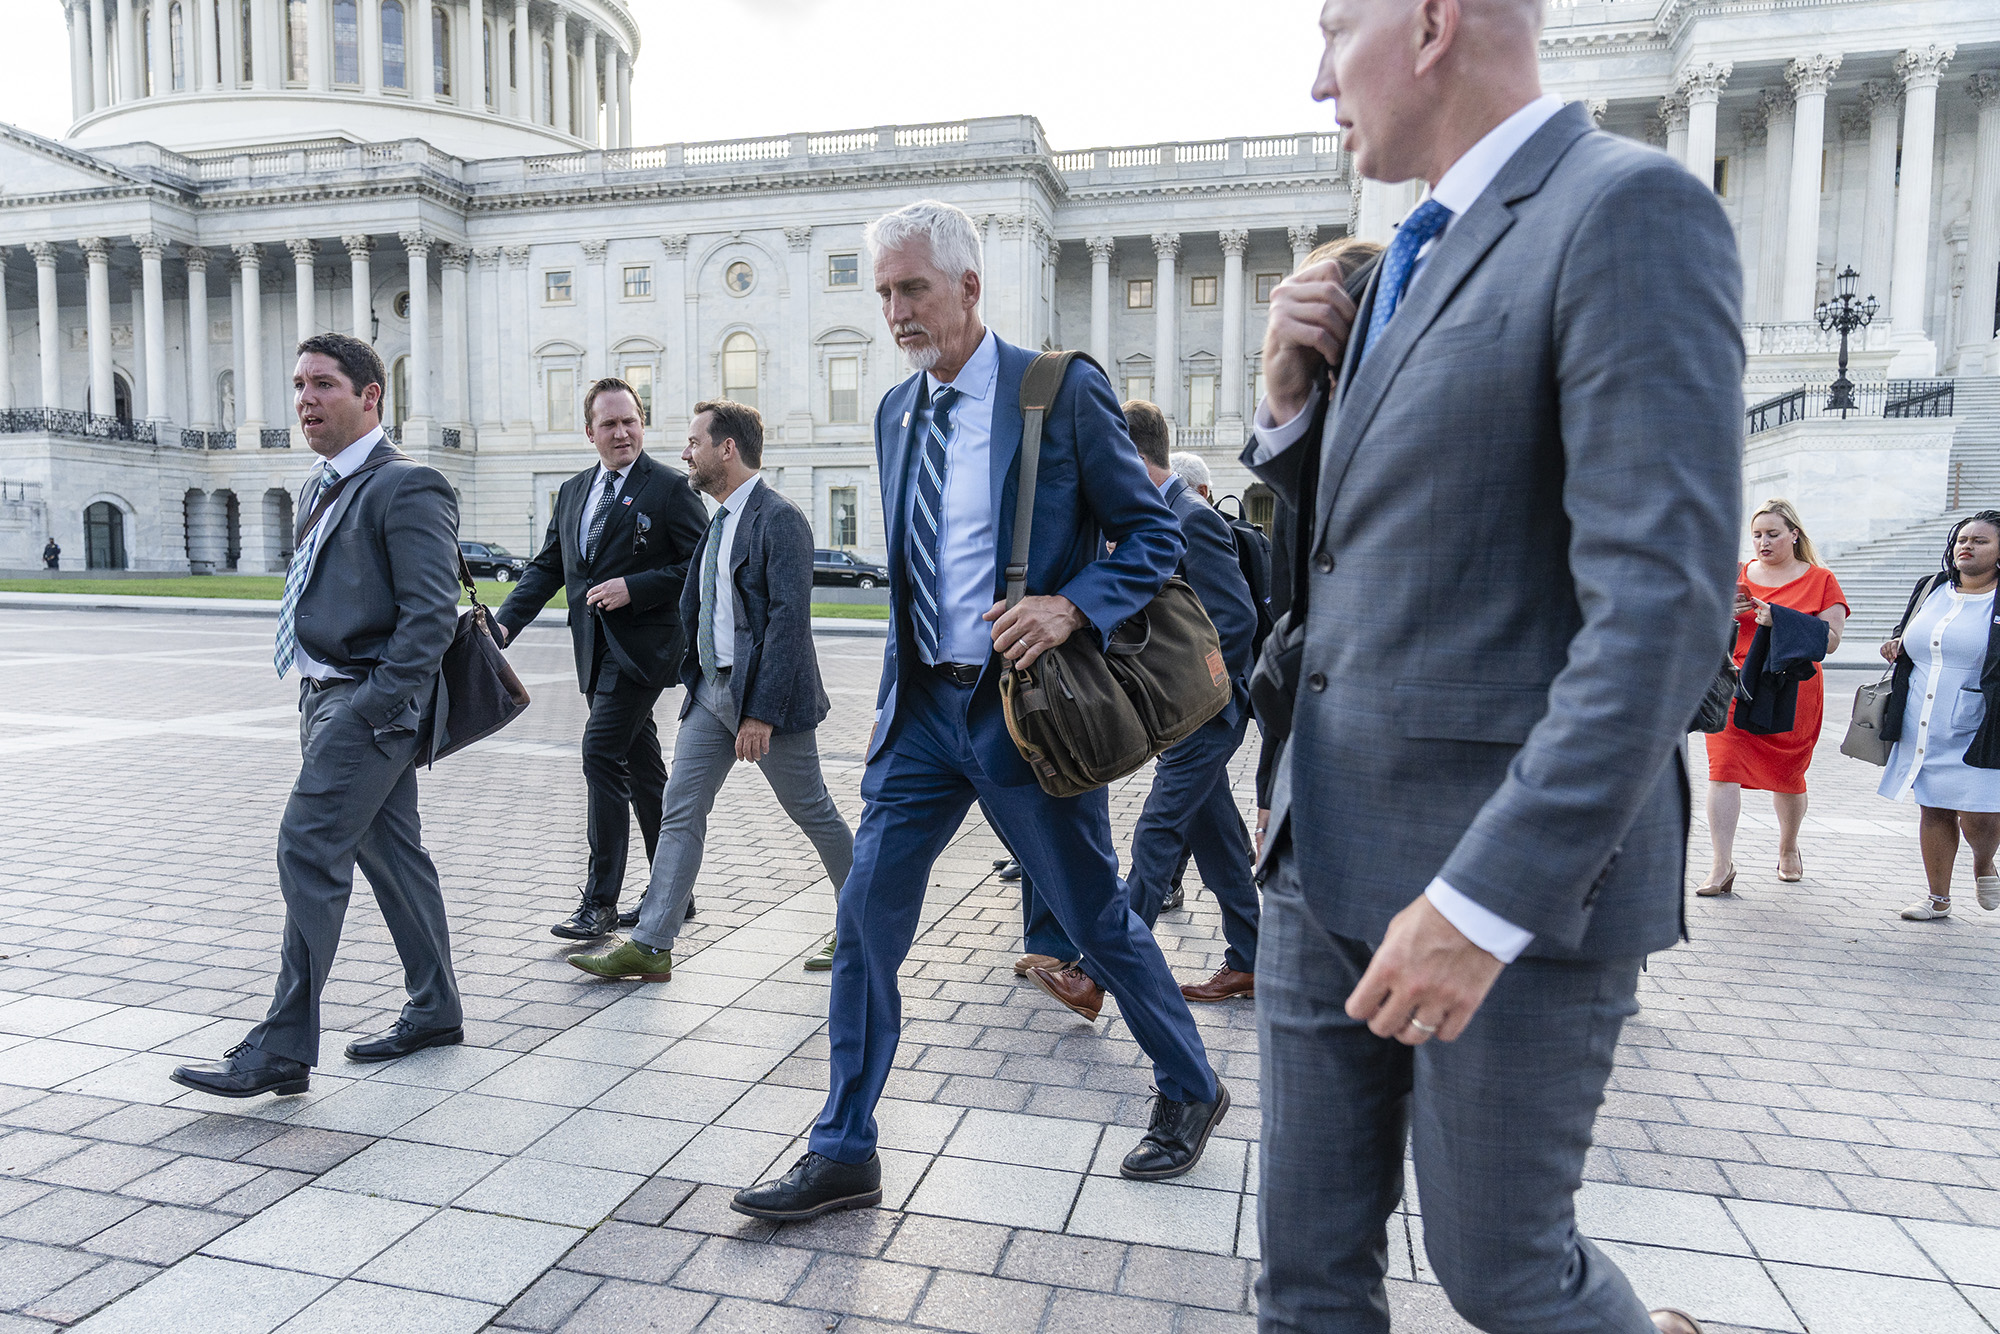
[{"x": 1802, "y": 546}]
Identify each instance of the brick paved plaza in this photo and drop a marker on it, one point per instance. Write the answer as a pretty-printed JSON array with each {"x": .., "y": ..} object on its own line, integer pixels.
[{"x": 1804, "y": 1133}]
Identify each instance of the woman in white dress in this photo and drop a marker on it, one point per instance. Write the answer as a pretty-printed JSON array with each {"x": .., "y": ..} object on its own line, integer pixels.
[{"x": 1947, "y": 752}]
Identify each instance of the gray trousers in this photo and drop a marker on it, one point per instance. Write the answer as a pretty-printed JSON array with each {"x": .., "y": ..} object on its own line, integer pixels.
[
  {"x": 704, "y": 749},
  {"x": 355, "y": 801},
  {"x": 1498, "y": 1123}
]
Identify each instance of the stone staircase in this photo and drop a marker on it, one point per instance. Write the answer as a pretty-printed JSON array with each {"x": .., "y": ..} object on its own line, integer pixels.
[{"x": 1877, "y": 575}]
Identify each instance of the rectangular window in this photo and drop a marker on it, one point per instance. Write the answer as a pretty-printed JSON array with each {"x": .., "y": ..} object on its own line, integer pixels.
[
  {"x": 1139, "y": 294},
  {"x": 638, "y": 281},
  {"x": 1202, "y": 292},
  {"x": 1721, "y": 181},
  {"x": 562, "y": 399},
  {"x": 1201, "y": 400},
  {"x": 1139, "y": 387},
  {"x": 843, "y": 270},
  {"x": 1265, "y": 282},
  {"x": 843, "y": 512},
  {"x": 556, "y": 287},
  {"x": 640, "y": 376},
  {"x": 843, "y": 389}
]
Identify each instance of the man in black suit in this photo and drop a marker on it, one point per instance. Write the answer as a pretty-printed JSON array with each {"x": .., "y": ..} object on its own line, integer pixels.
[
  {"x": 369, "y": 609},
  {"x": 754, "y": 692},
  {"x": 619, "y": 543}
]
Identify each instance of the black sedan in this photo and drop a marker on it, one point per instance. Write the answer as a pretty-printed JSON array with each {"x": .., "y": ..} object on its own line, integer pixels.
[
  {"x": 840, "y": 567},
  {"x": 490, "y": 560}
]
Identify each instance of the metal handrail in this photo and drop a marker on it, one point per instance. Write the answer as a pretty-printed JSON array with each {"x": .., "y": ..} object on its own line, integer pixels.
[{"x": 80, "y": 425}]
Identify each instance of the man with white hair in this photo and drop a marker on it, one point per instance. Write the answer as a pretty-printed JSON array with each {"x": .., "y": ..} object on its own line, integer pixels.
[
  {"x": 947, "y": 444},
  {"x": 1192, "y": 469}
]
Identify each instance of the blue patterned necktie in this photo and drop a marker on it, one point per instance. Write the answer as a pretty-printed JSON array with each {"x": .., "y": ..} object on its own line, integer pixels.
[
  {"x": 1425, "y": 222},
  {"x": 704, "y": 635},
  {"x": 295, "y": 574},
  {"x": 599, "y": 515},
  {"x": 927, "y": 526}
]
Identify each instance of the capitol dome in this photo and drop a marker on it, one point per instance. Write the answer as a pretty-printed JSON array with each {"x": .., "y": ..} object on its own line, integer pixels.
[{"x": 475, "y": 78}]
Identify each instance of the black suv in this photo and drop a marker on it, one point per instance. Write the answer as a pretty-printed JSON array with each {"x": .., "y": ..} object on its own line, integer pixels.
[
  {"x": 490, "y": 560},
  {"x": 838, "y": 567}
]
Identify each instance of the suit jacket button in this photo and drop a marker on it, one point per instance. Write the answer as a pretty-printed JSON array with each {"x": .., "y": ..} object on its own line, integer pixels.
[
  {"x": 1323, "y": 563},
  {"x": 1316, "y": 681}
]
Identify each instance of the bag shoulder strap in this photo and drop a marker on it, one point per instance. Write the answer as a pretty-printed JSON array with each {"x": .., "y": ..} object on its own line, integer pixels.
[
  {"x": 332, "y": 493},
  {"x": 1917, "y": 598},
  {"x": 1038, "y": 392}
]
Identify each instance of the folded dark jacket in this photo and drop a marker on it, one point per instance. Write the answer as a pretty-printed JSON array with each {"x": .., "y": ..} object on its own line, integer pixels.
[{"x": 1781, "y": 655}]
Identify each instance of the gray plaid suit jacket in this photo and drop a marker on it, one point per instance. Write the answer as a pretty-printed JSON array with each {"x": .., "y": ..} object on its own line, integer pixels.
[{"x": 1524, "y": 543}]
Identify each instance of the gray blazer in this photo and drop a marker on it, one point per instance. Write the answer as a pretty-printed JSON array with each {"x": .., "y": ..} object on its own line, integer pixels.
[
  {"x": 1524, "y": 540},
  {"x": 775, "y": 677},
  {"x": 381, "y": 598}
]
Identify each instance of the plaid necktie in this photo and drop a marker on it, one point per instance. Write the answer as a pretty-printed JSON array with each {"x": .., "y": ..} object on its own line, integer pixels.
[
  {"x": 704, "y": 635},
  {"x": 1426, "y": 221},
  {"x": 295, "y": 574},
  {"x": 927, "y": 527},
  {"x": 599, "y": 515}
]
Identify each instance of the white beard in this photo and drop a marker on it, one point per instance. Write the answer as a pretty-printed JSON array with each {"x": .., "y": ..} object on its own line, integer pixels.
[{"x": 924, "y": 357}]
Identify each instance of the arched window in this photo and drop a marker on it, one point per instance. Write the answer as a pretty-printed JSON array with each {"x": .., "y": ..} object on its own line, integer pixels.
[
  {"x": 392, "y": 46},
  {"x": 346, "y": 42},
  {"x": 513, "y": 63},
  {"x": 739, "y": 368},
  {"x": 243, "y": 38},
  {"x": 548, "y": 85},
  {"x": 216, "y": 10},
  {"x": 399, "y": 390},
  {"x": 440, "y": 51},
  {"x": 297, "y": 30},
  {"x": 146, "y": 70},
  {"x": 104, "y": 536},
  {"x": 486, "y": 33},
  {"x": 177, "y": 35}
]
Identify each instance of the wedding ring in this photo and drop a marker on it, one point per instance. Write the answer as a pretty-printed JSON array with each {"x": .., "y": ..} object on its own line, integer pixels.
[{"x": 1427, "y": 1030}]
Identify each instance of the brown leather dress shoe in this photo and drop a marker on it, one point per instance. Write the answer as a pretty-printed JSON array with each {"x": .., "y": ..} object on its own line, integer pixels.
[
  {"x": 1669, "y": 1321},
  {"x": 1072, "y": 986},
  {"x": 1027, "y": 961},
  {"x": 1227, "y": 984}
]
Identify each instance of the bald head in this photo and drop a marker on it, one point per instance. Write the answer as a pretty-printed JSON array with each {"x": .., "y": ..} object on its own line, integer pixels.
[{"x": 1415, "y": 83}]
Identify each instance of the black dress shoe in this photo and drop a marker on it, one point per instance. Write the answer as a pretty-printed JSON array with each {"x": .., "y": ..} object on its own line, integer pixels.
[
  {"x": 588, "y": 922},
  {"x": 630, "y": 917},
  {"x": 1176, "y": 900},
  {"x": 401, "y": 1040},
  {"x": 245, "y": 1071},
  {"x": 1011, "y": 871},
  {"x": 814, "y": 1186},
  {"x": 1175, "y": 1137}
]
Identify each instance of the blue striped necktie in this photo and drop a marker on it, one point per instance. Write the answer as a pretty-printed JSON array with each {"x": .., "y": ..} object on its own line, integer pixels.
[
  {"x": 295, "y": 574},
  {"x": 927, "y": 527},
  {"x": 1424, "y": 222}
]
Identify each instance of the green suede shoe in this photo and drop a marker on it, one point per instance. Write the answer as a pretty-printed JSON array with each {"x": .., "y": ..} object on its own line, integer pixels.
[
  {"x": 627, "y": 961},
  {"x": 823, "y": 961}
]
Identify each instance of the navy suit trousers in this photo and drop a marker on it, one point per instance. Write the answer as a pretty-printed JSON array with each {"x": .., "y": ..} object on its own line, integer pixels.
[
  {"x": 918, "y": 790},
  {"x": 1191, "y": 810}
]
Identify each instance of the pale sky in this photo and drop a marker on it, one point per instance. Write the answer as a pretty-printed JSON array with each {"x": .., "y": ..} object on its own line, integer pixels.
[{"x": 1096, "y": 72}]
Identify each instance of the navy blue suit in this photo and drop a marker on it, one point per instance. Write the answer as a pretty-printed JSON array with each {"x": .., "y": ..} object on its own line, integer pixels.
[{"x": 938, "y": 746}]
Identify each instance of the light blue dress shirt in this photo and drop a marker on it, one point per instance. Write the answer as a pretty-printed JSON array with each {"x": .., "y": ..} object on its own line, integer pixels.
[{"x": 966, "y": 534}]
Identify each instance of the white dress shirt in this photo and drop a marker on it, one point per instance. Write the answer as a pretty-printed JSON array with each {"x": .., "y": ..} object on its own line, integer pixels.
[
  {"x": 966, "y": 529},
  {"x": 343, "y": 463},
  {"x": 592, "y": 496},
  {"x": 725, "y": 587},
  {"x": 1458, "y": 190}
]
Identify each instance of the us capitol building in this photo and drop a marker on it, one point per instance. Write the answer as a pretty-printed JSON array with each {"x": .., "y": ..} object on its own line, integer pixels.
[{"x": 456, "y": 181}]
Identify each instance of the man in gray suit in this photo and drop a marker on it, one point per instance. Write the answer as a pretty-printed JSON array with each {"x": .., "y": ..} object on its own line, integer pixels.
[
  {"x": 754, "y": 691},
  {"x": 369, "y": 609},
  {"x": 1520, "y": 561}
]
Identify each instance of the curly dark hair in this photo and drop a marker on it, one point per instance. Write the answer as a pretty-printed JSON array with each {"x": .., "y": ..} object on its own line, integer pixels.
[{"x": 1991, "y": 518}]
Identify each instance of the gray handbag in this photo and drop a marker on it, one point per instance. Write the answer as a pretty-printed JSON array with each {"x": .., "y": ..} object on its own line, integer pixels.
[{"x": 1864, "y": 733}]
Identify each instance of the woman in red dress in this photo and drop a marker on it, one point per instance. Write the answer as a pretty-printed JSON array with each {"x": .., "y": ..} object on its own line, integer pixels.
[{"x": 1786, "y": 572}]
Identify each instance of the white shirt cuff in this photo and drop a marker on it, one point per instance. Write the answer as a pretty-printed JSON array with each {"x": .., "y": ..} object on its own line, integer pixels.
[
  {"x": 1480, "y": 925},
  {"x": 1273, "y": 439}
]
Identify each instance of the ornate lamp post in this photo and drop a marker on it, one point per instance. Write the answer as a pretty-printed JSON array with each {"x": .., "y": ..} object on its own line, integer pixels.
[{"x": 1846, "y": 314}]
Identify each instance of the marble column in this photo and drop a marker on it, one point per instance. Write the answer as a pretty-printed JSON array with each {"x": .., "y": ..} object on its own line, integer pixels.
[
  {"x": 152, "y": 250},
  {"x": 559, "y": 108},
  {"x": 1166, "y": 325},
  {"x": 1674, "y": 116},
  {"x": 368, "y": 34},
  {"x": 515, "y": 348},
  {"x": 1101, "y": 250},
  {"x": 6, "y": 340},
  {"x": 303, "y": 303},
  {"x": 613, "y": 124},
  {"x": 524, "y": 68},
  {"x": 468, "y": 26},
  {"x": 319, "y": 46},
  {"x": 798, "y": 337},
  {"x": 1919, "y": 68},
  {"x": 1881, "y": 105},
  {"x": 1302, "y": 237},
  {"x": 135, "y": 306},
  {"x": 1976, "y": 344},
  {"x": 489, "y": 336},
  {"x": 417, "y": 43},
  {"x": 198, "y": 24},
  {"x": 159, "y": 51},
  {"x": 595, "y": 298},
  {"x": 250, "y": 344},
  {"x": 454, "y": 259},
  {"x": 201, "y": 394},
  {"x": 417, "y": 245},
  {"x": 48, "y": 315},
  {"x": 671, "y": 402},
  {"x": 589, "y": 128},
  {"x": 624, "y": 101},
  {"x": 80, "y": 79},
  {"x": 361, "y": 286},
  {"x": 97, "y": 326},
  {"x": 1809, "y": 77},
  {"x": 1235, "y": 244},
  {"x": 100, "y": 60},
  {"x": 261, "y": 74},
  {"x": 1775, "y": 104},
  {"x": 1701, "y": 88},
  {"x": 128, "y": 51}
]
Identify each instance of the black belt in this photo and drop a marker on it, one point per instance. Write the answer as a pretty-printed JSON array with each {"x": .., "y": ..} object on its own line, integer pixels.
[
  {"x": 314, "y": 684},
  {"x": 958, "y": 673}
]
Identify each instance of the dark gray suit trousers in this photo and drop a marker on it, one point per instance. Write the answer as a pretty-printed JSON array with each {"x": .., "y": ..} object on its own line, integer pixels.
[
  {"x": 1498, "y": 1123},
  {"x": 355, "y": 801}
]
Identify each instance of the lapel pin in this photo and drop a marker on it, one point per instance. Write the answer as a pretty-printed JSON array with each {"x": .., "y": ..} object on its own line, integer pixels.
[
  {"x": 626, "y": 501},
  {"x": 906, "y": 421}
]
